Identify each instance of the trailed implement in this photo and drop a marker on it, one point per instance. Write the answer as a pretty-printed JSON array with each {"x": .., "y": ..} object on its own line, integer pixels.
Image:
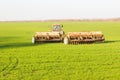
[
  {"x": 83, "y": 37},
  {"x": 56, "y": 34}
]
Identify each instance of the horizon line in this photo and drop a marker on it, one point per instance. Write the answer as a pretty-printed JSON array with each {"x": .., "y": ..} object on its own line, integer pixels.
[{"x": 72, "y": 19}]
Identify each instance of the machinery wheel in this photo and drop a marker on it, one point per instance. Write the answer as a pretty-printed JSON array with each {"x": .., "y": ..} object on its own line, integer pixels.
[
  {"x": 33, "y": 40},
  {"x": 66, "y": 41}
]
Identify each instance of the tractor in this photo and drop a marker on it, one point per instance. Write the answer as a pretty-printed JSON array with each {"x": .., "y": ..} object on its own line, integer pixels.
[{"x": 58, "y": 35}]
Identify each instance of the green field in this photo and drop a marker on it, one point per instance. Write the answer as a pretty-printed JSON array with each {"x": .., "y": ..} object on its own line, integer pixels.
[{"x": 22, "y": 60}]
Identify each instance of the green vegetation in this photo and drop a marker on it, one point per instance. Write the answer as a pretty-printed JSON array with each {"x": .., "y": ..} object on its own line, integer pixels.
[{"x": 22, "y": 60}]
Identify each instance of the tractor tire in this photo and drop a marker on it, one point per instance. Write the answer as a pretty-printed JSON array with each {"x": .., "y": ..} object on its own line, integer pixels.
[{"x": 66, "y": 40}]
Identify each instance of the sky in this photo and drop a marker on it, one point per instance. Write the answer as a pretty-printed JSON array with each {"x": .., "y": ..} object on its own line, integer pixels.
[{"x": 11, "y": 10}]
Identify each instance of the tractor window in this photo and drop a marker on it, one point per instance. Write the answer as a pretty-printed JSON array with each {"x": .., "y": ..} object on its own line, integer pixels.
[{"x": 56, "y": 28}]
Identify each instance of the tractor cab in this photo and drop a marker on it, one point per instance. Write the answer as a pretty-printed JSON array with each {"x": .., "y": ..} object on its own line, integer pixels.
[{"x": 57, "y": 28}]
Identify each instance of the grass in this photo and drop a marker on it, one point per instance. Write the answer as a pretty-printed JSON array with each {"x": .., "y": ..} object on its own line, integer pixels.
[{"x": 22, "y": 60}]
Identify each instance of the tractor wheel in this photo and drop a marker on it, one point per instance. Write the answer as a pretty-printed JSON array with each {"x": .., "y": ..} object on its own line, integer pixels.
[
  {"x": 66, "y": 40},
  {"x": 33, "y": 40}
]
